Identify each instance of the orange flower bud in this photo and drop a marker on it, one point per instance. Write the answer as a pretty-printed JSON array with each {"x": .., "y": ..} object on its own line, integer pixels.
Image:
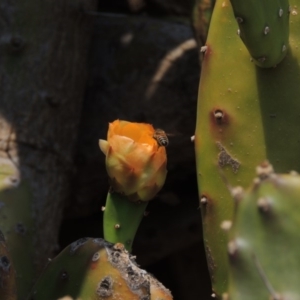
[{"x": 135, "y": 163}]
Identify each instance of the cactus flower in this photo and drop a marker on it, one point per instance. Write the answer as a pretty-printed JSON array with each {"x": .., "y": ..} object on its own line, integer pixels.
[{"x": 135, "y": 163}]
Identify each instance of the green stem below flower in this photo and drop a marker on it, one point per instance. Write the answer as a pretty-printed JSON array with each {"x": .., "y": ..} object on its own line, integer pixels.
[{"x": 121, "y": 219}]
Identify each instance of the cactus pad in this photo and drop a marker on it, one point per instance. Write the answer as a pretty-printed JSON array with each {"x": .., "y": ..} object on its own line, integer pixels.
[
  {"x": 17, "y": 224},
  {"x": 95, "y": 269},
  {"x": 264, "y": 246},
  {"x": 122, "y": 218},
  {"x": 246, "y": 114},
  {"x": 8, "y": 289},
  {"x": 264, "y": 28}
]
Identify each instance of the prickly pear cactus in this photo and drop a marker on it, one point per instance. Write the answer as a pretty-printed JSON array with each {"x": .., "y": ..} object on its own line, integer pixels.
[
  {"x": 246, "y": 114},
  {"x": 121, "y": 219},
  {"x": 264, "y": 246},
  {"x": 17, "y": 225},
  {"x": 94, "y": 269},
  {"x": 8, "y": 288},
  {"x": 264, "y": 28}
]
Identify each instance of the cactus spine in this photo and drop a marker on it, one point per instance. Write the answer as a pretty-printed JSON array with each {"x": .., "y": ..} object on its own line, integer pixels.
[
  {"x": 264, "y": 241},
  {"x": 245, "y": 115}
]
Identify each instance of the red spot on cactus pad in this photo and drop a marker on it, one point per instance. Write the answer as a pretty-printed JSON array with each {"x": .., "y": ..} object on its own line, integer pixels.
[{"x": 219, "y": 121}]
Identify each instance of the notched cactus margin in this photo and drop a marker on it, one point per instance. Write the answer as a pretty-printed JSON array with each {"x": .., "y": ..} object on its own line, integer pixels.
[
  {"x": 264, "y": 29},
  {"x": 264, "y": 243},
  {"x": 95, "y": 269}
]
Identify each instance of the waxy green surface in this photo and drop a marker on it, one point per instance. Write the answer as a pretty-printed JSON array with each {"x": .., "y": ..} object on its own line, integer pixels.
[
  {"x": 78, "y": 271},
  {"x": 260, "y": 119},
  {"x": 267, "y": 258},
  {"x": 122, "y": 218},
  {"x": 264, "y": 28}
]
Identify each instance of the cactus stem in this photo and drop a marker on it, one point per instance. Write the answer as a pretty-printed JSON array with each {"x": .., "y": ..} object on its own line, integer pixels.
[
  {"x": 263, "y": 276},
  {"x": 122, "y": 218}
]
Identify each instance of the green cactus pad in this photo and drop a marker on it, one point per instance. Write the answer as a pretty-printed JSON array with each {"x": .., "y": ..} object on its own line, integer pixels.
[
  {"x": 122, "y": 218},
  {"x": 17, "y": 224},
  {"x": 264, "y": 247},
  {"x": 94, "y": 269},
  {"x": 264, "y": 28},
  {"x": 8, "y": 288},
  {"x": 245, "y": 115}
]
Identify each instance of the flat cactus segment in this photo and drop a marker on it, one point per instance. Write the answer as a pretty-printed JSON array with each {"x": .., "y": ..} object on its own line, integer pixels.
[
  {"x": 245, "y": 115},
  {"x": 264, "y": 28},
  {"x": 17, "y": 224},
  {"x": 265, "y": 258},
  {"x": 94, "y": 269},
  {"x": 229, "y": 138},
  {"x": 158, "y": 291},
  {"x": 8, "y": 288},
  {"x": 122, "y": 218}
]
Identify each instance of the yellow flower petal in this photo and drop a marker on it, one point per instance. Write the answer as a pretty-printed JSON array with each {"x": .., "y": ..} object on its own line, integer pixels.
[
  {"x": 134, "y": 161},
  {"x": 103, "y": 146}
]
